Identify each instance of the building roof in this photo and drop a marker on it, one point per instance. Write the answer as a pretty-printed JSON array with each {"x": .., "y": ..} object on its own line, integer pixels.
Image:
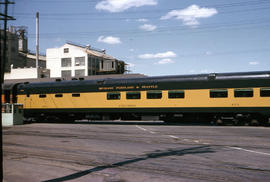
[
  {"x": 33, "y": 56},
  {"x": 92, "y": 51},
  {"x": 99, "y": 54}
]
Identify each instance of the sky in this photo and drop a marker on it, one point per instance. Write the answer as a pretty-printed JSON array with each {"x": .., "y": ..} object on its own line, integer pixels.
[{"x": 157, "y": 37}]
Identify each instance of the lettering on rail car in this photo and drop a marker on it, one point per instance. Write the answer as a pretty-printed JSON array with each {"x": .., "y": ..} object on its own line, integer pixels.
[
  {"x": 124, "y": 87},
  {"x": 106, "y": 88},
  {"x": 149, "y": 86},
  {"x": 129, "y": 87}
]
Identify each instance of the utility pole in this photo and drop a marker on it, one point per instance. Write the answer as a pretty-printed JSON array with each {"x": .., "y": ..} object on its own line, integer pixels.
[
  {"x": 4, "y": 17},
  {"x": 37, "y": 40}
]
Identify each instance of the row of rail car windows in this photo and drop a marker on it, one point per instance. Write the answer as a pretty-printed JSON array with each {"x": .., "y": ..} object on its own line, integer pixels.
[
  {"x": 175, "y": 94},
  {"x": 149, "y": 95}
]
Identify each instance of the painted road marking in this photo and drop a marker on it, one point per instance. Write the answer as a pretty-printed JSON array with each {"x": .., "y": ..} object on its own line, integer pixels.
[
  {"x": 141, "y": 128},
  {"x": 152, "y": 132},
  {"x": 252, "y": 151},
  {"x": 173, "y": 136}
]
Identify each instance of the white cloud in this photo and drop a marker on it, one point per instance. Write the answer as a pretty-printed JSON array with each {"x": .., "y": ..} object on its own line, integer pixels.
[
  {"x": 130, "y": 65},
  {"x": 190, "y": 15},
  {"x": 122, "y": 5},
  {"x": 109, "y": 40},
  {"x": 142, "y": 20},
  {"x": 148, "y": 27},
  {"x": 254, "y": 63},
  {"x": 208, "y": 53},
  {"x": 206, "y": 71},
  {"x": 168, "y": 54},
  {"x": 165, "y": 61},
  {"x": 131, "y": 50}
]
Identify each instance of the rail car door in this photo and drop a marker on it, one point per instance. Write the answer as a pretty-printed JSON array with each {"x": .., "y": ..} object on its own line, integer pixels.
[
  {"x": 7, "y": 96},
  {"x": 14, "y": 93}
]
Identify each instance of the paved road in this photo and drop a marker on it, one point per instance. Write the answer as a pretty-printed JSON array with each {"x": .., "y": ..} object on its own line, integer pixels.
[{"x": 135, "y": 153}]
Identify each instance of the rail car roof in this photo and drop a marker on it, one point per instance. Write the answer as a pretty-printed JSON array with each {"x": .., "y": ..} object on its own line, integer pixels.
[{"x": 217, "y": 80}]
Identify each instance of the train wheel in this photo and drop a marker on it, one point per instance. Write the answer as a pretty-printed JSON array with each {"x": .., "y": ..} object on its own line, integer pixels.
[
  {"x": 254, "y": 122},
  {"x": 237, "y": 122},
  {"x": 265, "y": 121},
  {"x": 219, "y": 122}
]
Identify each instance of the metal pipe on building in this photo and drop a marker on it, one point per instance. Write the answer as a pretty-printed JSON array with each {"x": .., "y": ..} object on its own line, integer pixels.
[{"x": 37, "y": 40}]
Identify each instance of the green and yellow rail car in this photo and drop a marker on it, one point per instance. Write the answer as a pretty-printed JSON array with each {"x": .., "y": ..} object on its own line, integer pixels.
[{"x": 239, "y": 97}]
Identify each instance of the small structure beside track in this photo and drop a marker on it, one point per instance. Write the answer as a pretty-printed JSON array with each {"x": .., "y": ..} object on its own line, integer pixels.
[{"x": 12, "y": 114}]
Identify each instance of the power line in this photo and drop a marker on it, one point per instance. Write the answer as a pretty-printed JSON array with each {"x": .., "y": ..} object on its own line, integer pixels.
[
  {"x": 133, "y": 18},
  {"x": 179, "y": 28},
  {"x": 222, "y": 53},
  {"x": 223, "y": 9},
  {"x": 220, "y": 6}
]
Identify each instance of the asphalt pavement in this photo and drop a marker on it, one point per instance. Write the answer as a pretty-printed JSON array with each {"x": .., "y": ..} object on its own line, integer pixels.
[{"x": 135, "y": 152}]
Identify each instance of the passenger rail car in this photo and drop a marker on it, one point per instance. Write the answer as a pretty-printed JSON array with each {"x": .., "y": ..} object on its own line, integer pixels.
[{"x": 237, "y": 97}]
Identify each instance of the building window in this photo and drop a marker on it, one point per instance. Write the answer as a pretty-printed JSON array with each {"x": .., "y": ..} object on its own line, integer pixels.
[
  {"x": 79, "y": 61},
  {"x": 154, "y": 95},
  {"x": 218, "y": 93},
  {"x": 79, "y": 73},
  {"x": 93, "y": 65},
  {"x": 66, "y": 50},
  {"x": 66, "y": 74},
  {"x": 58, "y": 95},
  {"x": 76, "y": 95},
  {"x": 112, "y": 64},
  {"x": 133, "y": 95},
  {"x": 243, "y": 93},
  {"x": 113, "y": 96},
  {"x": 102, "y": 64},
  {"x": 175, "y": 94},
  {"x": 265, "y": 92},
  {"x": 42, "y": 96},
  {"x": 66, "y": 62}
]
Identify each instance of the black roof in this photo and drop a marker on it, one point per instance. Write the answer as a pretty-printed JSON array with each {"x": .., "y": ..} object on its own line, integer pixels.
[{"x": 217, "y": 80}]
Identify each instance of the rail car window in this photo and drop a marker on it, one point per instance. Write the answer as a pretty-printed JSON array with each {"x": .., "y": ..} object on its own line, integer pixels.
[
  {"x": 154, "y": 95},
  {"x": 42, "y": 96},
  {"x": 174, "y": 94},
  {"x": 76, "y": 95},
  {"x": 218, "y": 93},
  {"x": 113, "y": 96},
  {"x": 133, "y": 95},
  {"x": 243, "y": 93},
  {"x": 58, "y": 95},
  {"x": 265, "y": 92}
]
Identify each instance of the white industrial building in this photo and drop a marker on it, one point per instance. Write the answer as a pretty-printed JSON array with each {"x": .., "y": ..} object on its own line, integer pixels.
[
  {"x": 73, "y": 60},
  {"x": 27, "y": 73}
]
